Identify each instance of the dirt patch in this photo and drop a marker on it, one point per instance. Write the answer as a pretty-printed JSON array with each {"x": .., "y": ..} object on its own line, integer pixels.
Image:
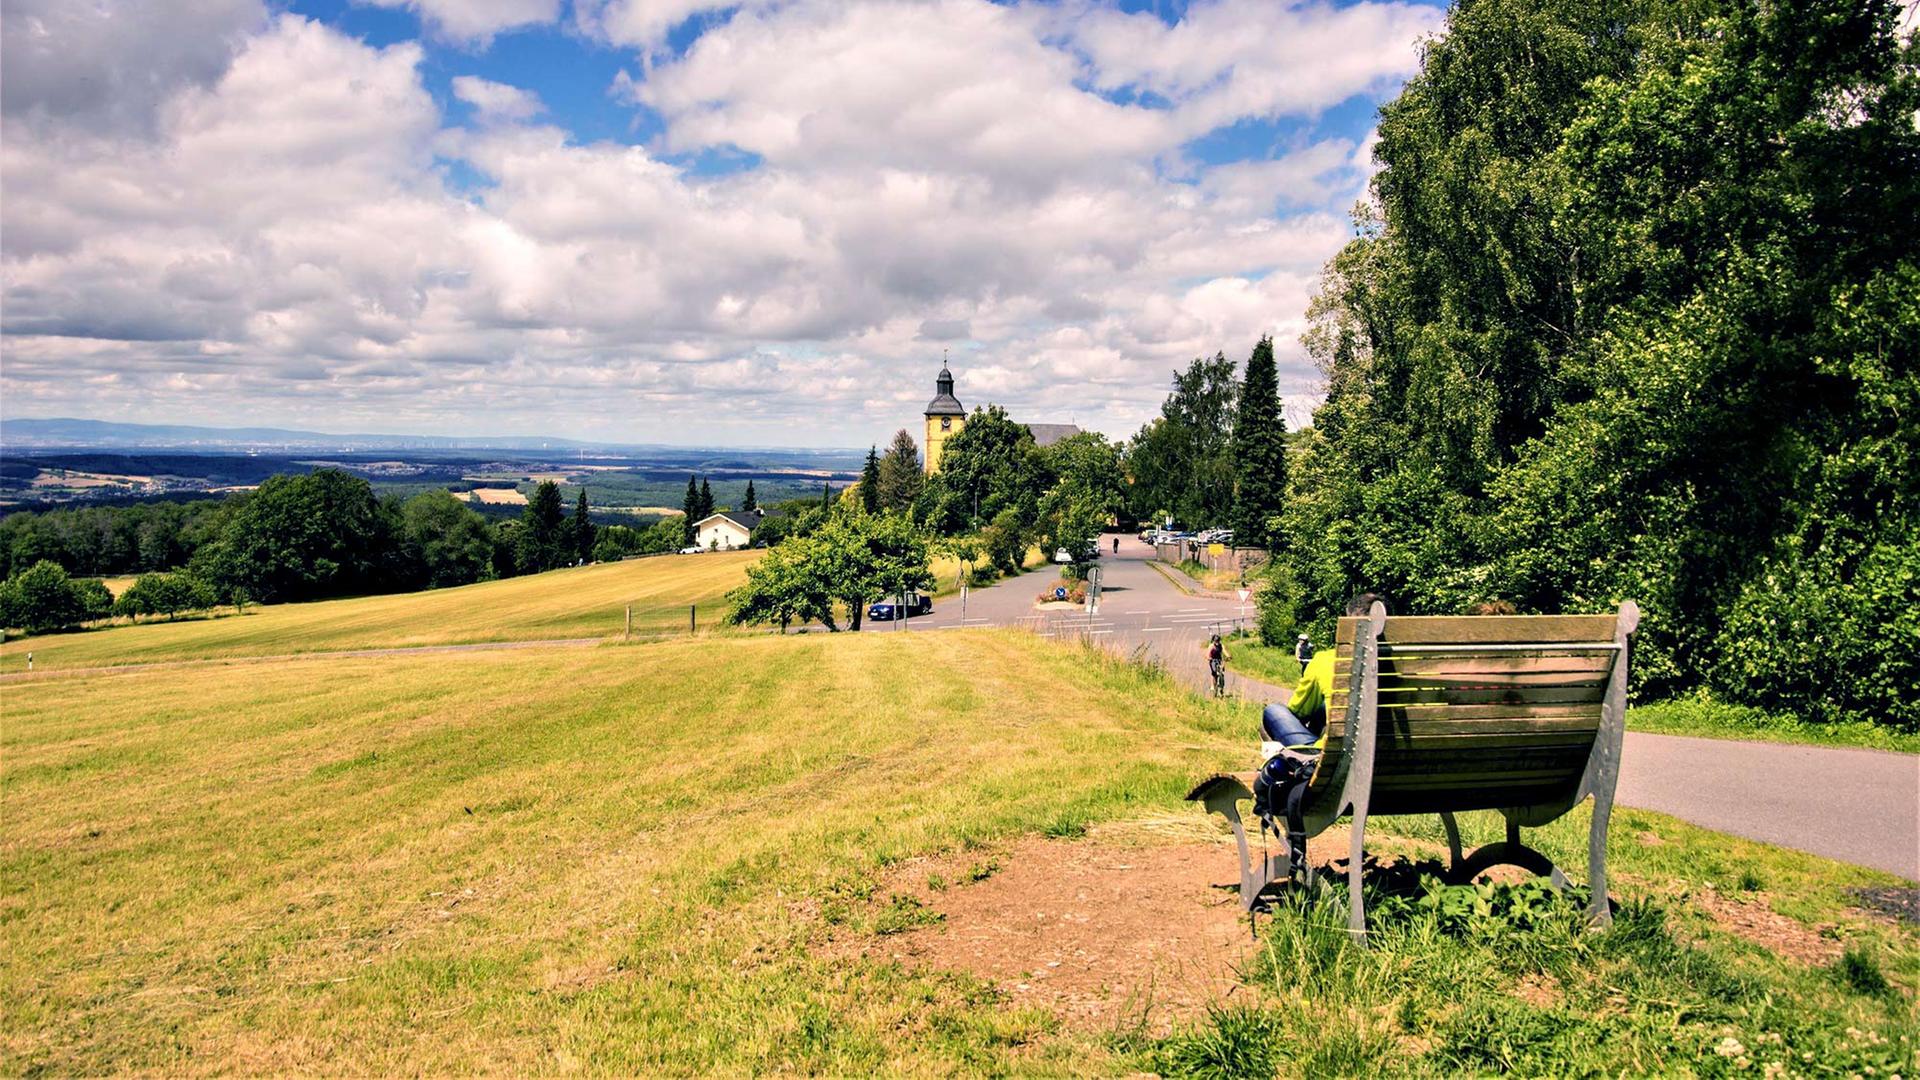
[
  {"x": 497, "y": 496},
  {"x": 1752, "y": 919},
  {"x": 1539, "y": 990},
  {"x": 1899, "y": 903},
  {"x": 1124, "y": 926}
]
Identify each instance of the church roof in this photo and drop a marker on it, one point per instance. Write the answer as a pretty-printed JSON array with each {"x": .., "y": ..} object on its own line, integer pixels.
[
  {"x": 944, "y": 403},
  {"x": 1048, "y": 434}
]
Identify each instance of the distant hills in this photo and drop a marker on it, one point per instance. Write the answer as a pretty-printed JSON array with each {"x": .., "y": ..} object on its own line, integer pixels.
[{"x": 67, "y": 433}]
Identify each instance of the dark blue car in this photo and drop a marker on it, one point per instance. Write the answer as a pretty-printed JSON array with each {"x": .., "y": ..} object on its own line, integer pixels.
[{"x": 888, "y": 610}]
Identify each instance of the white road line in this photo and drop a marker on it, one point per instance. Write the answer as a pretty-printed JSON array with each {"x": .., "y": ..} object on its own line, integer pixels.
[{"x": 1156, "y": 629}]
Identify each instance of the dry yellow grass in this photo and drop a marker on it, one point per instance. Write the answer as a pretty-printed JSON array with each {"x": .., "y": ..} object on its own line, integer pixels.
[
  {"x": 622, "y": 859},
  {"x": 588, "y": 601}
]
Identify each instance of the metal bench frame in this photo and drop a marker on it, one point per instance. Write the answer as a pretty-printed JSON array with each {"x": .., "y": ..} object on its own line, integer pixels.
[{"x": 1353, "y": 782}]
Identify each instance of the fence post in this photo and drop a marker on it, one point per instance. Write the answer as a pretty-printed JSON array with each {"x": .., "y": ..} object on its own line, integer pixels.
[
  {"x": 629, "y": 622},
  {"x": 693, "y": 618}
]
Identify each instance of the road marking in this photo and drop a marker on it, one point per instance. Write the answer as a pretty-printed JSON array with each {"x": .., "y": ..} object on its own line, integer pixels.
[{"x": 1156, "y": 629}]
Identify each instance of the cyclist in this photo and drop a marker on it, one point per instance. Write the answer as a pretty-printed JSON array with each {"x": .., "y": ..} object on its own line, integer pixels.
[{"x": 1217, "y": 664}]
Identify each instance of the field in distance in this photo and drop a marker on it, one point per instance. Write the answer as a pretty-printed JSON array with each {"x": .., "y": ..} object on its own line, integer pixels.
[{"x": 587, "y": 601}]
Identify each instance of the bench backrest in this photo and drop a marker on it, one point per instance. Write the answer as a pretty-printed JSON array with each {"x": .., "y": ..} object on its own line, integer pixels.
[{"x": 1476, "y": 713}]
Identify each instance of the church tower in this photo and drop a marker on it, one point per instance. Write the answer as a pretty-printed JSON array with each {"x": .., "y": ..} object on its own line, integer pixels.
[{"x": 945, "y": 418}]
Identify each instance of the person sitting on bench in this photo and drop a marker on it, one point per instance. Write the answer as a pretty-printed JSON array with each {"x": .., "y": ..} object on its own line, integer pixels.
[{"x": 1303, "y": 719}]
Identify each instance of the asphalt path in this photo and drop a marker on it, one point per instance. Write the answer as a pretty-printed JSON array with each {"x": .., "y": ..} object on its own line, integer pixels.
[{"x": 1857, "y": 806}]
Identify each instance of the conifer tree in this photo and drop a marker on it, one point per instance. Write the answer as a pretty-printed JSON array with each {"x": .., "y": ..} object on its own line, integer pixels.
[
  {"x": 1259, "y": 451},
  {"x": 750, "y": 503},
  {"x": 690, "y": 511},
  {"x": 826, "y": 496},
  {"x": 900, "y": 475},
  {"x": 706, "y": 499},
  {"x": 583, "y": 530},
  {"x": 870, "y": 482}
]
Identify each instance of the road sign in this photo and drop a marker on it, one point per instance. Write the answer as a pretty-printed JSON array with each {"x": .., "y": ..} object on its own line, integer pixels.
[
  {"x": 1244, "y": 593},
  {"x": 1216, "y": 549}
]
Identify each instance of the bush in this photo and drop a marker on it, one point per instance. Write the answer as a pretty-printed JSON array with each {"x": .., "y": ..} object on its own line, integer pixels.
[
  {"x": 1276, "y": 603},
  {"x": 166, "y": 594},
  {"x": 43, "y": 598}
]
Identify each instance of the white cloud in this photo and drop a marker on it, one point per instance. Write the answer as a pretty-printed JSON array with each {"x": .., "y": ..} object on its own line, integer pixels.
[
  {"x": 280, "y": 240},
  {"x": 477, "y": 21},
  {"x": 954, "y": 85},
  {"x": 644, "y": 24},
  {"x": 496, "y": 101},
  {"x": 1231, "y": 59},
  {"x": 109, "y": 64}
]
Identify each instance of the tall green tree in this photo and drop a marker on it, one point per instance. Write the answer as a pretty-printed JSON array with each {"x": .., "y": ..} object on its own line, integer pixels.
[
  {"x": 690, "y": 512},
  {"x": 870, "y": 482},
  {"x": 305, "y": 537},
  {"x": 706, "y": 498},
  {"x": 751, "y": 502},
  {"x": 445, "y": 540},
  {"x": 1259, "y": 451},
  {"x": 543, "y": 541},
  {"x": 901, "y": 477},
  {"x": 582, "y": 529},
  {"x": 1182, "y": 461},
  {"x": 989, "y": 467},
  {"x": 1633, "y": 316}
]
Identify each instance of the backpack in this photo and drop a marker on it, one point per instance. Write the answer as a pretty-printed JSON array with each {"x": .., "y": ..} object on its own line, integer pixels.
[{"x": 1279, "y": 793}]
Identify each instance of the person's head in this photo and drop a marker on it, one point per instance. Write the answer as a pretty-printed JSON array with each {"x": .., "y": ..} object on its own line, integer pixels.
[
  {"x": 1363, "y": 603},
  {"x": 1216, "y": 639},
  {"x": 1494, "y": 607}
]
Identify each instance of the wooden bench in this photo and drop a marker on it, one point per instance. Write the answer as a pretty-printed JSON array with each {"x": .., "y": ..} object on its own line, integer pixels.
[{"x": 1522, "y": 714}]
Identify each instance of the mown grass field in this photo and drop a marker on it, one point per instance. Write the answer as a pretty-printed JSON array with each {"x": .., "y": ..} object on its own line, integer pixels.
[
  {"x": 588, "y": 601},
  {"x": 637, "y": 859}
]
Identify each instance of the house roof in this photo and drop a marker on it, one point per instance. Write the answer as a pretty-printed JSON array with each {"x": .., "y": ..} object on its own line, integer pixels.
[
  {"x": 745, "y": 519},
  {"x": 1048, "y": 434}
]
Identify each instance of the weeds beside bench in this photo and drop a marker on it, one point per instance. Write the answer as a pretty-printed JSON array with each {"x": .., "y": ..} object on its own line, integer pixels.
[{"x": 1523, "y": 714}]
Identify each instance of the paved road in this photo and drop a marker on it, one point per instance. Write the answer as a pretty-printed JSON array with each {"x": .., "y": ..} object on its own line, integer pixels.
[{"x": 1858, "y": 806}]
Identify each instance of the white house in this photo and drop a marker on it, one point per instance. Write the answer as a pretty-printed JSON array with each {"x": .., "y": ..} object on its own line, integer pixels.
[{"x": 727, "y": 529}]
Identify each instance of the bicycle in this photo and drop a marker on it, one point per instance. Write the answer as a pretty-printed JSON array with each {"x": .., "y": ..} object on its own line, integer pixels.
[{"x": 1219, "y": 670}]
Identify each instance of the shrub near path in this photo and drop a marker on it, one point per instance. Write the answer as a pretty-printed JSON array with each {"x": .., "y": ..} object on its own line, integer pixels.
[{"x": 587, "y": 601}]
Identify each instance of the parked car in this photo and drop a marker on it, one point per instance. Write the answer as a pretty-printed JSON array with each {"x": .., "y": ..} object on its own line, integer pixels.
[
  {"x": 694, "y": 550},
  {"x": 888, "y": 610}
]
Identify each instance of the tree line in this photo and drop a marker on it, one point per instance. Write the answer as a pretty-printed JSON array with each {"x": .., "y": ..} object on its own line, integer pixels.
[{"x": 1633, "y": 311}]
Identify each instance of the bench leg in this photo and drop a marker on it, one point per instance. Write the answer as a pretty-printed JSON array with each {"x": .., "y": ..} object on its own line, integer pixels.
[
  {"x": 1356, "y": 856},
  {"x": 1253, "y": 878},
  {"x": 1511, "y": 852},
  {"x": 1599, "y": 912},
  {"x": 1453, "y": 840}
]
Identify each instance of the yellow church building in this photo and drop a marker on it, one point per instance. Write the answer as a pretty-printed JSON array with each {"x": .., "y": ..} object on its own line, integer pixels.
[{"x": 946, "y": 416}]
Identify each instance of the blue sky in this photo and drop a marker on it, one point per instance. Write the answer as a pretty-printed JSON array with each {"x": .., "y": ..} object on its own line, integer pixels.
[{"x": 669, "y": 220}]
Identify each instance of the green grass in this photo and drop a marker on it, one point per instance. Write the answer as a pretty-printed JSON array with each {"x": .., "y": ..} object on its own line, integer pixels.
[
  {"x": 1705, "y": 717},
  {"x": 620, "y": 859},
  {"x": 648, "y": 859},
  {"x": 587, "y": 601},
  {"x": 1276, "y": 666}
]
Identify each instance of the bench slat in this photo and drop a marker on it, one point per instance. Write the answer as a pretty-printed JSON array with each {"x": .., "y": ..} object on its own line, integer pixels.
[
  {"x": 1502, "y": 665},
  {"x": 1393, "y": 697},
  {"x": 1484, "y": 629},
  {"x": 1476, "y": 714}
]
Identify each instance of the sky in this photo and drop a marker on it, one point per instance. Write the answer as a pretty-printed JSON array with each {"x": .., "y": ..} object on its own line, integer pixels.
[{"x": 669, "y": 221}]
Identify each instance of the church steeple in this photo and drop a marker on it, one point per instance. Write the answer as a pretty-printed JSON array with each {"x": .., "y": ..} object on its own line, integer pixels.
[
  {"x": 944, "y": 403},
  {"x": 945, "y": 417}
]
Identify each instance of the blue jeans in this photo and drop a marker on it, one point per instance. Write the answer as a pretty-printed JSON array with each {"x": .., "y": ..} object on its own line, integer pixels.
[{"x": 1281, "y": 726}]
